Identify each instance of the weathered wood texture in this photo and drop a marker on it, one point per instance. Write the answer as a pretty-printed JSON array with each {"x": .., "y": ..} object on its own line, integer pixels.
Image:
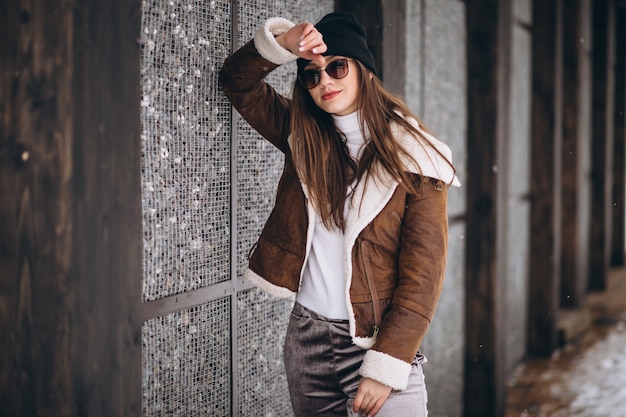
[
  {"x": 36, "y": 208},
  {"x": 573, "y": 283},
  {"x": 488, "y": 43},
  {"x": 70, "y": 211},
  {"x": 618, "y": 250},
  {"x": 545, "y": 251},
  {"x": 602, "y": 143},
  {"x": 394, "y": 45}
]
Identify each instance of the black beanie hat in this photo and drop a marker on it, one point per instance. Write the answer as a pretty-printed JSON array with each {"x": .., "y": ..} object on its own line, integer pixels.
[{"x": 344, "y": 36}]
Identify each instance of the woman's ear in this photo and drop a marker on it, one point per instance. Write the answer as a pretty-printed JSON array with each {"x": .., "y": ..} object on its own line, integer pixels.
[{"x": 371, "y": 74}]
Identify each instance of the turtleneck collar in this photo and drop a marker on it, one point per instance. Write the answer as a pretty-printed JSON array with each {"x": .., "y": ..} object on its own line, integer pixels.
[{"x": 349, "y": 126}]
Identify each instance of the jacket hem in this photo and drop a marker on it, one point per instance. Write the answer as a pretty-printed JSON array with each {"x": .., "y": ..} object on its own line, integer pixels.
[{"x": 386, "y": 369}]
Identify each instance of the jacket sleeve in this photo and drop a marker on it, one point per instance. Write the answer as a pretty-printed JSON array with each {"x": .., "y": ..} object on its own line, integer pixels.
[
  {"x": 242, "y": 79},
  {"x": 421, "y": 268}
]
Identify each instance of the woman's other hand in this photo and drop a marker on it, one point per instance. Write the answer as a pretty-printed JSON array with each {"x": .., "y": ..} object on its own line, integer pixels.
[
  {"x": 370, "y": 397},
  {"x": 305, "y": 41}
]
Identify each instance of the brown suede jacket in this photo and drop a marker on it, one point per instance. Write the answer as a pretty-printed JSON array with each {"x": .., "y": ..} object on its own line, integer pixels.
[{"x": 395, "y": 244}]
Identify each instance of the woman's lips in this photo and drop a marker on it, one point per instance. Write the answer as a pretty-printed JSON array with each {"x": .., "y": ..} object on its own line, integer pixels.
[{"x": 330, "y": 95}]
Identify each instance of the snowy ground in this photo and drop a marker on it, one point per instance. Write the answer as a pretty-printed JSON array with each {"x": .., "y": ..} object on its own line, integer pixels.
[
  {"x": 584, "y": 379},
  {"x": 598, "y": 378}
]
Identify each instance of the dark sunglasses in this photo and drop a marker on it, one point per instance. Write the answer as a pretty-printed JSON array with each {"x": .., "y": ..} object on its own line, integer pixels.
[{"x": 337, "y": 69}]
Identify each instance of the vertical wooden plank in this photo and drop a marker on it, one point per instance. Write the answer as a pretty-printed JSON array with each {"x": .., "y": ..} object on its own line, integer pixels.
[
  {"x": 573, "y": 283},
  {"x": 618, "y": 250},
  {"x": 106, "y": 269},
  {"x": 35, "y": 207},
  {"x": 70, "y": 213},
  {"x": 394, "y": 45},
  {"x": 545, "y": 184},
  {"x": 488, "y": 43},
  {"x": 480, "y": 188},
  {"x": 601, "y": 148}
]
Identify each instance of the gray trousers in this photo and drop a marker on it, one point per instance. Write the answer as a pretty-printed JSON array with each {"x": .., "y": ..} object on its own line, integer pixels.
[{"x": 322, "y": 366}]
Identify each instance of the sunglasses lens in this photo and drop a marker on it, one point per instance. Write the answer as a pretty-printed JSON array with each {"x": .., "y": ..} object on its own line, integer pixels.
[
  {"x": 338, "y": 69},
  {"x": 310, "y": 78}
]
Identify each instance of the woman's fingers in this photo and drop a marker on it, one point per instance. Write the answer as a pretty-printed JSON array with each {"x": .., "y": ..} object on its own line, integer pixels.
[
  {"x": 291, "y": 39},
  {"x": 370, "y": 397},
  {"x": 369, "y": 406},
  {"x": 312, "y": 40},
  {"x": 312, "y": 44},
  {"x": 305, "y": 41}
]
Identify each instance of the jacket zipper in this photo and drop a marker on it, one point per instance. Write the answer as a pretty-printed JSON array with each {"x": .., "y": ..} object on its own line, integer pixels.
[
  {"x": 397, "y": 217},
  {"x": 373, "y": 293}
]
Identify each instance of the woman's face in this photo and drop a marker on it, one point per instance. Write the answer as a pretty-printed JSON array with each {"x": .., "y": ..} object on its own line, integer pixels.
[{"x": 336, "y": 95}]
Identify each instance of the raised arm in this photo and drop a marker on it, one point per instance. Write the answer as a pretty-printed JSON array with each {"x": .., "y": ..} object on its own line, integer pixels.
[{"x": 243, "y": 73}]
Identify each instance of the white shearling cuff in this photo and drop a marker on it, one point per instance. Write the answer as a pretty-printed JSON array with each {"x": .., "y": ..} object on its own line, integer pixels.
[
  {"x": 386, "y": 369},
  {"x": 265, "y": 41}
]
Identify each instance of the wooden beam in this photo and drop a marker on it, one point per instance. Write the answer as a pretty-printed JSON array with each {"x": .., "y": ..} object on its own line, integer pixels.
[
  {"x": 618, "y": 250},
  {"x": 36, "y": 208},
  {"x": 573, "y": 282},
  {"x": 545, "y": 250},
  {"x": 601, "y": 144},
  {"x": 106, "y": 273},
  {"x": 394, "y": 45},
  {"x": 70, "y": 208},
  {"x": 488, "y": 42}
]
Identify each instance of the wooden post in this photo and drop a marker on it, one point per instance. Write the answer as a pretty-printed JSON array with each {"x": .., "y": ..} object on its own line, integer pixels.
[
  {"x": 70, "y": 208},
  {"x": 618, "y": 250},
  {"x": 573, "y": 283},
  {"x": 488, "y": 55},
  {"x": 545, "y": 250},
  {"x": 602, "y": 143},
  {"x": 394, "y": 45},
  {"x": 36, "y": 208}
]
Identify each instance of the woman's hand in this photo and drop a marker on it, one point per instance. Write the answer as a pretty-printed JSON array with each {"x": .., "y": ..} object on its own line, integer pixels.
[
  {"x": 370, "y": 397},
  {"x": 305, "y": 41}
]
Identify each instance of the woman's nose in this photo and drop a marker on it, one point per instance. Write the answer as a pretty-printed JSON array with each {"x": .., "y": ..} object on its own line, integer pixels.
[{"x": 325, "y": 78}]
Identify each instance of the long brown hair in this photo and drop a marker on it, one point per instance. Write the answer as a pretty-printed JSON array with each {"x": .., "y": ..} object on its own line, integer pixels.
[{"x": 322, "y": 158}]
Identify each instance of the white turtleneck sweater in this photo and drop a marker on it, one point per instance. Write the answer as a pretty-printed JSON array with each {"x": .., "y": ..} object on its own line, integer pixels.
[{"x": 323, "y": 283}]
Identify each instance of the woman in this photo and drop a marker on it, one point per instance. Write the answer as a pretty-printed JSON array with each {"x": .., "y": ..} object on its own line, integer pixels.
[{"x": 359, "y": 228}]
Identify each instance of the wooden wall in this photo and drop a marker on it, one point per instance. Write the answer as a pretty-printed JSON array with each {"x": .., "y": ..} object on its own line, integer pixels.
[{"x": 70, "y": 219}]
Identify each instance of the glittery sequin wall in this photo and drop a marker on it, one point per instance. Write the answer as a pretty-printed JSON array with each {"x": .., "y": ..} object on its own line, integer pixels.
[{"x": 208, "y": 183}]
